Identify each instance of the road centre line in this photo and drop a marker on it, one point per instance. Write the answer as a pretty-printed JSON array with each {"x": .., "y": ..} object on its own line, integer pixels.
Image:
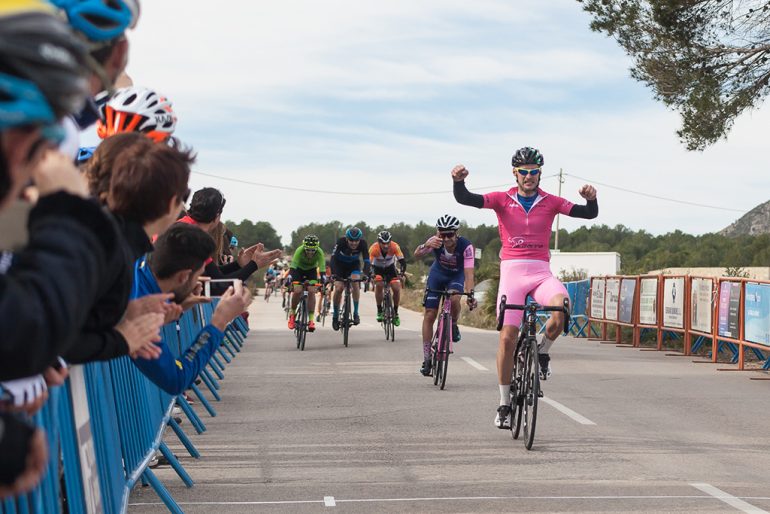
[
  {"x": 728, "y": 498},
  {"x": 474, "y": 364},
  {"x": 567, "y": 411}
]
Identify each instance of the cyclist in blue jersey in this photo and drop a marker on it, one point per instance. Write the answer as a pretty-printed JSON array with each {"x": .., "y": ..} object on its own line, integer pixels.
[
  {"x": 346, "y": 263},
  {"x": 452, "y": 269}
]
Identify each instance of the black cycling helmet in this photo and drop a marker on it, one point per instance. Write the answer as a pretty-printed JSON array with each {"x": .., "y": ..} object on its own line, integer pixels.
[
  {"x": 354, "y": 233},
  {"x": 37, "y": 46},
  {"x": 384, "y": 237},
  {"x": 527, "y": 155}
]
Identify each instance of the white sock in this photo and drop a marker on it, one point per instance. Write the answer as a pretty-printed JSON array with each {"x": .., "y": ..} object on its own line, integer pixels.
[
  {"x": 545, "y": 345},
  {"x": 505, "y": 394}
]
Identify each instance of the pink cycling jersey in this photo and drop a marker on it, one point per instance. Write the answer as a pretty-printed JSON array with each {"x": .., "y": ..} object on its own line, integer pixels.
[{"x": 525, "y": 235}]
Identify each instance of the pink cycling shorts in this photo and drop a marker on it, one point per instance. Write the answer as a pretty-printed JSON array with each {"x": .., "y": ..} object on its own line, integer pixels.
[{"x": 519, "y": 278}]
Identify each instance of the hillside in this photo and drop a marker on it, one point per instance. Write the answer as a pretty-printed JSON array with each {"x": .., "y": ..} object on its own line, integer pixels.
[{"x": 753, "y": 223}]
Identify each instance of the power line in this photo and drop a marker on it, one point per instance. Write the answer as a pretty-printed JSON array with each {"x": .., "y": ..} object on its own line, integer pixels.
[
  {"x": 347, "y": 193},
  {"x": 656, "y": 196}
]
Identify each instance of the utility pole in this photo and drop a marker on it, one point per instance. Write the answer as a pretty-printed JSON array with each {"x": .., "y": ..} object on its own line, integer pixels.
[{"x": 561, "y": 181}]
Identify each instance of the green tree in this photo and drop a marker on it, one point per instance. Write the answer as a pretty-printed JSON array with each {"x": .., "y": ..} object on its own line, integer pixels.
[
  {"x": 708, "y": 59},
  {"x": 250, "y": 233}
]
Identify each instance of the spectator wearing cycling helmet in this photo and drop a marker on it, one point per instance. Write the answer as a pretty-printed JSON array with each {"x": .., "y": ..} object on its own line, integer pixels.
[
  {"x": 383, "y": 255},
  {"x": 48, "y": 285},
  {"x": 525, "y": 214},
  {"x": 305, "y": 265},
  {"x": 101, "y": 24},
  {"x": 205, "y": 212},
  {"x": 136, "y": 109},
  {"x": 346, "y": 263},
  {"x": 452, "y": 269}
]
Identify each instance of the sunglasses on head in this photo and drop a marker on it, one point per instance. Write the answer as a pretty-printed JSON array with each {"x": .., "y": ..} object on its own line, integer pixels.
[
  {"x": 524, "y": 171},
  {"x": 447, "y": 235}
]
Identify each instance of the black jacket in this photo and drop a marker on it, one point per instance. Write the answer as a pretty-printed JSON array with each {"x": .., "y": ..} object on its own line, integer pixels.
[
  {"x": 51, "y": 284},
  {"x": 98, "y": 340}
]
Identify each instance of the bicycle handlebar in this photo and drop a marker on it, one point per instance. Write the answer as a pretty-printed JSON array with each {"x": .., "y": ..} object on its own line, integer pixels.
[
  {"x": 450, "y": 293},
  {"x": 533, "y": 308}
]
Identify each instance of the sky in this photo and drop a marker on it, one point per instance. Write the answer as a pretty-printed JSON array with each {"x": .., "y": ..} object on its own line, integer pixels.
[{"x": 377, "y": 98}]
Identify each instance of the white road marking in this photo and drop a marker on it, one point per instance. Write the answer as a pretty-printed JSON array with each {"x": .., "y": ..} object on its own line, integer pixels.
[
  {"x": 468, "y": 498},
  {"x": 329, "y": 501},
  {"x": 474, "y": 364},
  {"x": 728, "y": 498},
  {"x": 568, "y": 412}
]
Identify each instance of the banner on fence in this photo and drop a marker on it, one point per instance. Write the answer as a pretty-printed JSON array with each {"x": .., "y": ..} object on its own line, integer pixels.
[
  {"x": 729, "y": 307},
  {"x": 648, "y": 301},
  {"x": 627, "y": 290},
  {"x": 673, "y": 302},
  {"x": 611, "y": 299},
  {"x": 757, "y": 313},
  {"x": 597, "y": 298},
  {"x": 82, "y": 419},
  {"x": 701, "y": 295}
]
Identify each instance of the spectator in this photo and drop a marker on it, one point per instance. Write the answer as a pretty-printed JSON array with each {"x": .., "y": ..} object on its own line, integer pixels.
[
  {"x": 46, "y": 288},
  {"x": 175, "y": 267},
  {"x": 148, "y": 188},
  {"x": 205, "y": 212}
]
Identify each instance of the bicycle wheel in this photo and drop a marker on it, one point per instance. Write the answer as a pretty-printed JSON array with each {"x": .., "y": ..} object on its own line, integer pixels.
[
  {"x": 516, "y": 390},
  {"x": 303, "y": 324},
  {"x": 346, "y": 318},
  {"x": 297, "y": 323},
  {"x": 434, "y": 359},
  {"x": 532, "y": 388},
  {"x": 444, "y": 355}
]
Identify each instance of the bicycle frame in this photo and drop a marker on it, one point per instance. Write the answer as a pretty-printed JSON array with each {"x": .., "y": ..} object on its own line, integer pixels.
[
  {"x": 442, "y": 346},
  {"x": 302, "y": 315},
  {"x": 347, "y": 319}
]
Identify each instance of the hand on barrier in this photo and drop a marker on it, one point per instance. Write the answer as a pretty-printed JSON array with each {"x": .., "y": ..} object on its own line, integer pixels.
[
  {"x": 26, "y": 395},
  {"x": 56, "y": 375},
  {"x": 141, "y": 334},
  {"x": 151, "y": 303},
  {"x": 56, "y": 172},
  {"x": 37, "y": 458},
  {"x": 233, "y": 302}
]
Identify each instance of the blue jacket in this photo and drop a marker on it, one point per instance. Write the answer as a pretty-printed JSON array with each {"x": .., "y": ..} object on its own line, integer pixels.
[{"x": 171, "y": 375}]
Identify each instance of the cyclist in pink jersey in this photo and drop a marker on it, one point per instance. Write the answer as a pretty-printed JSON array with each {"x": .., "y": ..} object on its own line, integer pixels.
[{"x": 525, "y": 215}]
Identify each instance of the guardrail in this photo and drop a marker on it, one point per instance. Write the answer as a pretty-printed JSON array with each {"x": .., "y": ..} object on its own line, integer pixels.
[
  {"x": 732, "y": 313},
  {"x": 107, "y": 422}
]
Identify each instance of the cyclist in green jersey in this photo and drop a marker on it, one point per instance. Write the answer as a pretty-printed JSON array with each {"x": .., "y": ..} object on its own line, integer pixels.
[{"x": 305, "y": 265}]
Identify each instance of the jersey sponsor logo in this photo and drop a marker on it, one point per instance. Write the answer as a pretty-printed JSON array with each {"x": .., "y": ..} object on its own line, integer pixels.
[{"x": 521, "y": 242}]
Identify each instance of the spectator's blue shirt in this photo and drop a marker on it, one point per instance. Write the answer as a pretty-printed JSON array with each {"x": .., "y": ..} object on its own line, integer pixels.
[{"x": 171, "y": 375}]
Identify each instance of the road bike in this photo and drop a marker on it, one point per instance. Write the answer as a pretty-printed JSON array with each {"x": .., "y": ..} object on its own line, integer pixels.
[
  {"x": 302, "y": 316},
  {"x": 525, "y": 380},
  {"x": 346, "y": 320},
  {"x": 441, "y": 344},
  {"x": 326, "y": 303},
  {"x": 388, "y": 311},
  {"x": 268, "y": 290}
]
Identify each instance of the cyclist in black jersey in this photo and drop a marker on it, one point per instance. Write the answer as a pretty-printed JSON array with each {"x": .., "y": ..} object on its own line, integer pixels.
[{"x": 346, "y": 263}]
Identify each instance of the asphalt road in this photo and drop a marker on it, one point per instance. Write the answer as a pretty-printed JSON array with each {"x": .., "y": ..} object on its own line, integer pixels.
[{"x": 358, "y": 429}]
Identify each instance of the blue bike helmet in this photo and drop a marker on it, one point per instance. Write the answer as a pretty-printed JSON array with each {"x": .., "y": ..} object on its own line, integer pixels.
[
  {"x": 354, "y": 233},
  {"x": 100, "y": 20},
  {"x": 233, "y": 241},
  {"x": 85, "y": 153}
]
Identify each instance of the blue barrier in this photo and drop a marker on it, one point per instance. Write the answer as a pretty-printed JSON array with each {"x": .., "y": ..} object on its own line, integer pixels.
[{"x": 125, "y": 418}]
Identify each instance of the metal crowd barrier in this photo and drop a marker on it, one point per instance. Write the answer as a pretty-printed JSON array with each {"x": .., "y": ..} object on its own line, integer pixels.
[{"x": 107, "y": 422}]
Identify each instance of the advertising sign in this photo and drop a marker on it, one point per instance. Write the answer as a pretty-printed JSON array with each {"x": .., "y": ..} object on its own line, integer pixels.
[
  {"x": 673, "y": 302},
  {"x": 701, "y": 294},
  {"x": 611, "y": 299},
  {"x": 627, "y": 290},
  {"x": 648, "y": 301},
  {"x": 729, "y": 304},
  {"x": 757, "y": 313},
  {"x": 597, "y": 298}
]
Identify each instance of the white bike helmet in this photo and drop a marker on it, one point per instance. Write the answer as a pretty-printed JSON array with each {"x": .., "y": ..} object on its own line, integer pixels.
[
  {"x": 447, "y": 222},
  {"x": 138, "y": 109}
]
